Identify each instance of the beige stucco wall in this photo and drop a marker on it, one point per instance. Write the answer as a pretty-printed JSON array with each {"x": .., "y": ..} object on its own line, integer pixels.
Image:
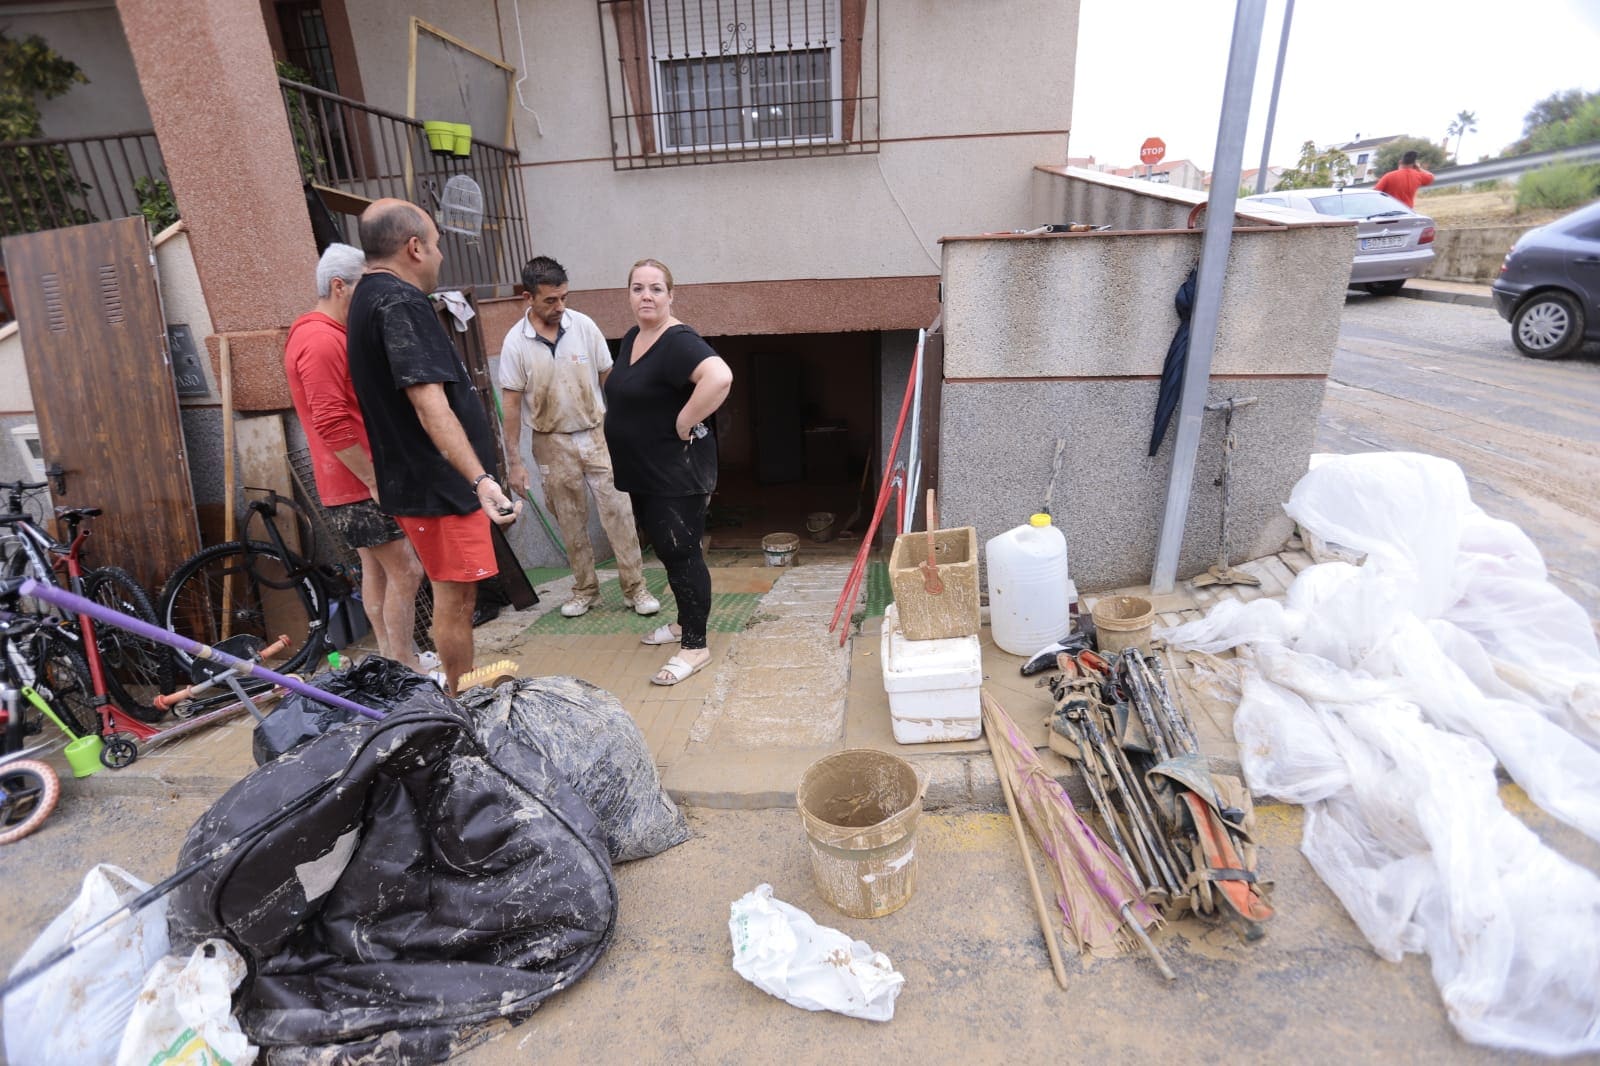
[
  {"x": 17, "y": 396},
  {"x": 874, "y": 215},
  {"x": 89, "y": 33}
]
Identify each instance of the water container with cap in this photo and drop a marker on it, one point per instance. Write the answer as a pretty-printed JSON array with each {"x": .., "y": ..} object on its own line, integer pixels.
[{"x": 1028, "y": 599}]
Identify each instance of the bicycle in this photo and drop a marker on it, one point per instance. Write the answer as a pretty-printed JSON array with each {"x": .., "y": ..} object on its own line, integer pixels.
[
  {"x": 123, "y": 668},
  {"x": 260, "y": 588}
]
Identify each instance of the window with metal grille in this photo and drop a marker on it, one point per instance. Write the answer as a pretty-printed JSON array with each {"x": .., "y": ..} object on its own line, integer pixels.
[{"x": 698, "y": 81}]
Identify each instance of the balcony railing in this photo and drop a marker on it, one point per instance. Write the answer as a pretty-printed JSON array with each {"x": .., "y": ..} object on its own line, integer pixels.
[
  {"x": 354, "y": 152},
  {"x": 68, "y": 181}
]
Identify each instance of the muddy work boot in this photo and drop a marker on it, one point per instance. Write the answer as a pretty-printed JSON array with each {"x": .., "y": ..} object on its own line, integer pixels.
[
  {"x": 644, "y": 605},
  {"x": 578, "y": 605}
]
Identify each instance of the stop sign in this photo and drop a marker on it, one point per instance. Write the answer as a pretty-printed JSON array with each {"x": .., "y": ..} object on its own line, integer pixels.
[{"x": 1152, "y": 151}]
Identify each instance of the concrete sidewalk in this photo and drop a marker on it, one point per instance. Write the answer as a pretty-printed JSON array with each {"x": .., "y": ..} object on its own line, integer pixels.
[
  {"x": 1449, "y": 292},
  {"x": 781, "y": 691}
]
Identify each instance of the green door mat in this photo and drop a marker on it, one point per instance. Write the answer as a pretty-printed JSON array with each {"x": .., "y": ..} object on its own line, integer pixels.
[{"x": 730, "y": 611}]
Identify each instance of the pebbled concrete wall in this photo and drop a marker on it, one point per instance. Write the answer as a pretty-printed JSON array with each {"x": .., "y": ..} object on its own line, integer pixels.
[
  {"x": 1064, "y": 336},
  {"x": 1472, "y": 253}
]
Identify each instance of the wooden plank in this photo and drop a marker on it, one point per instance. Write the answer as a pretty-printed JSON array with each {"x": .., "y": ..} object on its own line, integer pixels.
[
  {"x": 346, "y": 203},
  {"x": 1296, "y": 561}
]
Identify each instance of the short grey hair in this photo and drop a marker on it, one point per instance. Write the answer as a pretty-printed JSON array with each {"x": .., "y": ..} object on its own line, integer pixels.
[{"x": 342, "y": 261}]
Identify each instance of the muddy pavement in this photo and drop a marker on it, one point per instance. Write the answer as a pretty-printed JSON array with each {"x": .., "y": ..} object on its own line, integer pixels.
[{"x": 978, "y": 987}]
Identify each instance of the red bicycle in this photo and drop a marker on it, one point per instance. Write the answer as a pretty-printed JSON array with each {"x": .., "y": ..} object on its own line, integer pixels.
[{"x": 120, "y": 675}]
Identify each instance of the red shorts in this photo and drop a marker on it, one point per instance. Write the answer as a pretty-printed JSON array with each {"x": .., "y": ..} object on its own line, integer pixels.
[{"x": 452, "y": 547}]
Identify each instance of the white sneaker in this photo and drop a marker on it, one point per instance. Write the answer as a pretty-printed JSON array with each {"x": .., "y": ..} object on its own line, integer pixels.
[
  {"x": 646, "y": 604},
  {"x": 578, "y": 605}
]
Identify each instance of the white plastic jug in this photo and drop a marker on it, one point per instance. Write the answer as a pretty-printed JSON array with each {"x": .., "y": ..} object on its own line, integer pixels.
[{"x": 1028, "y": 600}]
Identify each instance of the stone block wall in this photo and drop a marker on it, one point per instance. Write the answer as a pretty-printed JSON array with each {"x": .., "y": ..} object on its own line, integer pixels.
[{"x": 1064, "y": 336}]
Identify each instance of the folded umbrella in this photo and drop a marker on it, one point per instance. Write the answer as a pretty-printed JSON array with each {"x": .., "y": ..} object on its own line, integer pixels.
[{"x": 1177, "y": 359}]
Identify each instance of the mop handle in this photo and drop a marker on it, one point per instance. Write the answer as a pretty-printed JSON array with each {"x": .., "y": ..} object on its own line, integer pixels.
[{"x": 74, "y": 604}]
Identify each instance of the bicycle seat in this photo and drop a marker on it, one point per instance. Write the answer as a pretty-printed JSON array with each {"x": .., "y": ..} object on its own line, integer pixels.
[{"x": 70, "y": 513}]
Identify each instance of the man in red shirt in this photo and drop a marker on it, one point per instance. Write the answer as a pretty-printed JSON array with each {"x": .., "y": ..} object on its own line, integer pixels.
[
  {"x": 1403, "y": 182},
  {"x": 318, "y": 368}
]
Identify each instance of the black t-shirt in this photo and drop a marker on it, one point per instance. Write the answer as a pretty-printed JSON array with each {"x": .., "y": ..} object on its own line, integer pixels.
[
  {"x": 396, "y": 340},
  {"x": 642, "y": 404}
]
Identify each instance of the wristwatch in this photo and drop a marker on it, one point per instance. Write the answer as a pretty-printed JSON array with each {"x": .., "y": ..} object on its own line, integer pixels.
[{"x": 479, "y": 479}]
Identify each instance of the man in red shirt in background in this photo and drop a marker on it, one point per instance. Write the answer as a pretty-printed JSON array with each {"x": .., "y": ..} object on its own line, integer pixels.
[
  {"x": 1403, "y": 182},
  {"x": 318, "y": 368}
]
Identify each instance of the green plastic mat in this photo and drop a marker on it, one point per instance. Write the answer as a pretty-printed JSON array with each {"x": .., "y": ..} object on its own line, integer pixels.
[
  {"x": 539, "y": 575},
  {"x": 879, "y": 592},
  {"x": 730, "y": 611}
]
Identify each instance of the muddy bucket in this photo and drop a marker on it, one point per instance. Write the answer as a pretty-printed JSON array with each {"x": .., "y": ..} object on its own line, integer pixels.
[
  {"x": 1123, "y": 622},
  {"x": 860, "y": 810},
  {"x": 780, "y": 548}
]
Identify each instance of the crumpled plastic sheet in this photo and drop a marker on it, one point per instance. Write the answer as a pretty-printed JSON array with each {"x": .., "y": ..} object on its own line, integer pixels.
[{"x": 1381, "y": 698}]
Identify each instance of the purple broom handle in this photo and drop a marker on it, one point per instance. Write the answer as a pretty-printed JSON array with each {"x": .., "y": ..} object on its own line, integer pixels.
[{"x": 76, "y": 604}]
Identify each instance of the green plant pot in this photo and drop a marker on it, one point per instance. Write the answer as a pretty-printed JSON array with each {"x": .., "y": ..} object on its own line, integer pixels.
[
  {"x": 441, "y": 136},
  {"x": 463, "y": 139}
]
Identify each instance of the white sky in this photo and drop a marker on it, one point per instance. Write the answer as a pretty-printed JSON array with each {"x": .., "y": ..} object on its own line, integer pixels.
[{"x": 1355, "y": 67}]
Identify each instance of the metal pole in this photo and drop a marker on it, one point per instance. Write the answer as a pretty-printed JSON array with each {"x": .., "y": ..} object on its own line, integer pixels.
[
  {"x": 1272, "y": 108},
  {"x": 1242, "y": 55}
]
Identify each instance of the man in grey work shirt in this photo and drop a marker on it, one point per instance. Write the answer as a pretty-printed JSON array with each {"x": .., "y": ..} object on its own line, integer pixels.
[{"x": 552, "y": 366}]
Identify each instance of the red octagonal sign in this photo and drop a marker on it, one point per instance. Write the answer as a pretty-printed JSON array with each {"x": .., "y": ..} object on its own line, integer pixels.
[{"x": 1152, "y": 151}]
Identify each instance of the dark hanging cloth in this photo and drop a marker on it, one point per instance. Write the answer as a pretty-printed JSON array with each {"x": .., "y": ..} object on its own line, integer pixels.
[
  {"x": 1177, "y": 359},
  {"x": 323, "y": 227}
]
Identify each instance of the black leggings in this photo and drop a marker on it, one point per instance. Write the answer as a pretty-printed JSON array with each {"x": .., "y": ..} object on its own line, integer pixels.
[{"x": 675, "y": 526}]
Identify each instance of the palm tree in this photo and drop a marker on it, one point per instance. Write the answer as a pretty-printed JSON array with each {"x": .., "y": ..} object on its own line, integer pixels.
[{"x": 1466, "y": 122}]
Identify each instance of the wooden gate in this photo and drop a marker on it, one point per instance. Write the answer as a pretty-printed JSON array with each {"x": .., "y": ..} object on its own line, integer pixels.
[{"x": 103, "y": 393}]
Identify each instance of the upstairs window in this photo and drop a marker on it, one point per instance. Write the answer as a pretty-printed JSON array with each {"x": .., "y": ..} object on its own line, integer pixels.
[{"x": 716, "y": 80}]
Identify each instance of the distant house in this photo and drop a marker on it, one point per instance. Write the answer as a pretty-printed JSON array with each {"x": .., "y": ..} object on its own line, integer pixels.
[
  {"x": 1180, "y": 172},
  {"x": 1248, "y": 178},
  {"x": 1364, "y": 156}
]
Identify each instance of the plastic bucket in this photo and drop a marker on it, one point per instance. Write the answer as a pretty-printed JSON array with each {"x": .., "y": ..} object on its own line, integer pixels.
[
  {"x": 860, "y": 810},
  {"x": 1123, "y": 622},
  {"x": 819, "y": 526},
  {"x": 83, "y": 755},
  {"x": 780, "y": 548},
  {"x": 441, "y": 136}
]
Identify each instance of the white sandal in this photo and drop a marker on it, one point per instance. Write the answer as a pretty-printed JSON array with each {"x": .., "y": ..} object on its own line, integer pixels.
[
  {"x": 678, "y": 669},
  {"x": 661, "y": 635}
]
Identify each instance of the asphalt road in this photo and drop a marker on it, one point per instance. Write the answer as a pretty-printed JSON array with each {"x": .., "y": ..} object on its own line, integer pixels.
[{"x": 1411, "y": 375}]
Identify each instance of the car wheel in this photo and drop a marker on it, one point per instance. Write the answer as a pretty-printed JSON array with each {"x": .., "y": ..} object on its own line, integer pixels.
[
  {"x": 1384, "y": 288},
  {"x": 1548, "y": 326}
]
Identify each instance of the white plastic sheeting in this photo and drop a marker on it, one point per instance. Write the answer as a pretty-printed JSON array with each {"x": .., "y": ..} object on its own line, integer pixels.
[{"x": 1381, "y": 697}]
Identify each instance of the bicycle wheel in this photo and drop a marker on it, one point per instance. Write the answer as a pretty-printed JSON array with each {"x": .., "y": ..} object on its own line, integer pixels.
[
  {"x": 245, "y": 588},
  {"x": 137, "y": 669},
  {"x": 28, "y": 793},
  {"x": 55, "y": 668}
]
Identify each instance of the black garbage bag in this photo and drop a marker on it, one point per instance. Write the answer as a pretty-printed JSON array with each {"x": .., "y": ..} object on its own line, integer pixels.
[
  {"x": 377, "y": 683},
  {"x": 591, "y": 738},
  {"x": 417, "y": 885}
]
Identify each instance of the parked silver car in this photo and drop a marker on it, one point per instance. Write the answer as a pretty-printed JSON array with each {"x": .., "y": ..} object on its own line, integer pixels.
[
  {"x": 1549, "y": 285},
  {"x": 1393, "y": 242}
]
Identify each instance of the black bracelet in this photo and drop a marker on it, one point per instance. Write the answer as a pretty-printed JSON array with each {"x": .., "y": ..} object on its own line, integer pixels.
[{"x": 479, "y": 479}]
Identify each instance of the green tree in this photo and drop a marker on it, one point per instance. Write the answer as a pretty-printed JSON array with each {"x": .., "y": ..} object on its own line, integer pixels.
[
  {"x": 38, "y": 188},
  {"x": 1553, "y": 110},
  {"x": 1465, "y": 122},
  {"x": 1430, "y": 156},
  {"x": 1317, "y": 169},
  {"x": 1581, "y": 127}
]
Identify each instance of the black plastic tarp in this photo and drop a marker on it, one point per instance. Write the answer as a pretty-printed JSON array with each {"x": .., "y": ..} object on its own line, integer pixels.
[{"x": 437, "y": 883}]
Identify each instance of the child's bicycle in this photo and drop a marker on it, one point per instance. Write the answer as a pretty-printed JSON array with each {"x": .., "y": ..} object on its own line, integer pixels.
[{"x": 29, "y": 788}]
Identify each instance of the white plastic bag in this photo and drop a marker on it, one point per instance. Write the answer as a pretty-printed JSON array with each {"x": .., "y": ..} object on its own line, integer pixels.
[
  {"x": 76, "y": 1011},
  {"x": 780, "y": 950},
  {"x": 185, "y": 1012}
]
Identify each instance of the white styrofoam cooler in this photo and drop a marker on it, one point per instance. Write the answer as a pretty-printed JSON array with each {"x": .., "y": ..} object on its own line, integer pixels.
[{"x": 932, "y": 685}]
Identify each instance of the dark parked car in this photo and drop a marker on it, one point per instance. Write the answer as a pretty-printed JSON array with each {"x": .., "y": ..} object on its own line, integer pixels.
[
  {"x": 1393, "y": 242},
  {"x": 1549, "y": 285}
]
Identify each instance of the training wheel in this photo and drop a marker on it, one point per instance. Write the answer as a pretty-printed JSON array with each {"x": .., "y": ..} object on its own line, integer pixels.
[{"x": 118, "y": 752}]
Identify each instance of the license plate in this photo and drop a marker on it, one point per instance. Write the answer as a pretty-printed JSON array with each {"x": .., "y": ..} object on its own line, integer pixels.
[{"x": 1371, "y": 244}]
